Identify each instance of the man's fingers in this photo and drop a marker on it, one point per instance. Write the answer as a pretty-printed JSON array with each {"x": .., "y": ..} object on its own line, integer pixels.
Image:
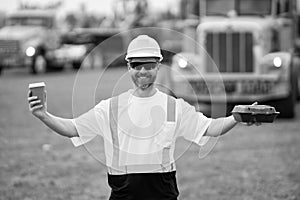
[
  {"x": 32, "y": 98},
  {"x": 255, "y": 103},
  {"x": 29, "y": 93},
  {"x": 33, "y": 103},
  {"x": 249, "y": 123},
  {"x": 34, "y": 108}
]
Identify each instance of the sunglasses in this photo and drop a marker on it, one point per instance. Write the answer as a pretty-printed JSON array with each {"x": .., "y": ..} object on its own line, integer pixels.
[{"x": 146, "y": 66}]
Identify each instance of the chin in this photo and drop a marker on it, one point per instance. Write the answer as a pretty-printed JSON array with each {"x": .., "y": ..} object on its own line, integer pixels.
[{"x": 145, "y": 86}]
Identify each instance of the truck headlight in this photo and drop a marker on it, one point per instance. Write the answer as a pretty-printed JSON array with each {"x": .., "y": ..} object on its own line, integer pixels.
[
  {"x": 187, "y": 63},
  {"x": 274, "y": 63},
  {"x": 277, "y": 62},
  {"x": 30, "y": 51},
  {"x": 182, "y": 63}
]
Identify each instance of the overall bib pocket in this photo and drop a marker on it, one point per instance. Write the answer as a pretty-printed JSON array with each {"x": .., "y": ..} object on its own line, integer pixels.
[{"x": 166, "y": 136}]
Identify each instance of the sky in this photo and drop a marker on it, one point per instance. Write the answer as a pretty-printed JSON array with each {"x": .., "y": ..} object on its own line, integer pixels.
[{"x": 104, "y": 7}]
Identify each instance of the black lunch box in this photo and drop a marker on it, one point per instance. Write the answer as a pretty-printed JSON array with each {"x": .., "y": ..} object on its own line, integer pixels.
[{"x": 254, "y": 113}]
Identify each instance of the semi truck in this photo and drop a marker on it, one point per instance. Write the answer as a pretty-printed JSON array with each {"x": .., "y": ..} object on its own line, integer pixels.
[{"x": 242, "y": 51}]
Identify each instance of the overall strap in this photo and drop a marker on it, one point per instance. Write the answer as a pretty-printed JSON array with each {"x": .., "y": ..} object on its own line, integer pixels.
[
  {"x": 171, "y": 116},
  {"x": 171, "y": 109},
  {"x": 113, "y": 119}
]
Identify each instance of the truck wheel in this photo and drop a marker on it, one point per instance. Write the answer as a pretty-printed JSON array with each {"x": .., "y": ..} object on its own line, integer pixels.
[
  {"x": 286, "y": 106},
  {"x": 39, "y": 65},
  {"x": 296, "y": 73},
  {"x": 296, "y": 76},
  {"x": 76, "y": 65}
]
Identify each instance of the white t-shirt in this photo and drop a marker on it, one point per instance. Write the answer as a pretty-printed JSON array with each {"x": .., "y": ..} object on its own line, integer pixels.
[{"x": 143, "y": 129}]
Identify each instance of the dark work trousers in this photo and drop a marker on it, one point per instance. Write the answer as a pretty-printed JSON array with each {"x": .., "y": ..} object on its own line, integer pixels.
[{"x": 143, "y": 186}]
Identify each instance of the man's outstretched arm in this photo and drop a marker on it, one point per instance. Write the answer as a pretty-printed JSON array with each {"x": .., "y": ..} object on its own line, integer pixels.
[
  {"x": 220, "y": 126},
  {"x": 62, "y": 126}
]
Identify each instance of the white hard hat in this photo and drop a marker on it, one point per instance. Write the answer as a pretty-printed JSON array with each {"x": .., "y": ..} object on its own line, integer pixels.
[{"x": 143, "y": 46}]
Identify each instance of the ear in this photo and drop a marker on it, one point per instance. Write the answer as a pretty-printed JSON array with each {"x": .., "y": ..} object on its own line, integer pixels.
[
  {"x": 128, "y": 67},
  {"x": 158, "y": 65}
]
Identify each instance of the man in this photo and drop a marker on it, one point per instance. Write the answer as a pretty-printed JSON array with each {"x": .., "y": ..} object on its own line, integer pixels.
[{"x": 139, "y": 128}]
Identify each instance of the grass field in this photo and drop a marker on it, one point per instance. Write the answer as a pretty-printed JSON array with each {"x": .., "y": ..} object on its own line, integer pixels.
[{"x": 260, "y": 163}]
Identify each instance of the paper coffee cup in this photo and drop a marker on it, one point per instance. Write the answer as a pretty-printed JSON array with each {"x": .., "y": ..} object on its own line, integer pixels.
[{"x": 38, "y": 89}]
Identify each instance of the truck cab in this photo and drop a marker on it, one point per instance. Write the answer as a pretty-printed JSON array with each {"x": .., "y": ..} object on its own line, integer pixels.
[
  {"x": 27, "y": 37},
  {"x": 243, "y": 53}
]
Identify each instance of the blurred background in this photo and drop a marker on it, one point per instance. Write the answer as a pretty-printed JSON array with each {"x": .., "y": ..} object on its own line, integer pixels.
[{"x": 217, "y": 54}]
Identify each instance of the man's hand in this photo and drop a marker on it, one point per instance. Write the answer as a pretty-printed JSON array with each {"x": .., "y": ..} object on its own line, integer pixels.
[
  {"x": 251, "y": 123},
  {"x": 35, "y": 107}
]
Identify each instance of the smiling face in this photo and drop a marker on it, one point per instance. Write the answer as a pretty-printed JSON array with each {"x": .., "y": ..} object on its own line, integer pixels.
[{"x": 143, "y": 75}]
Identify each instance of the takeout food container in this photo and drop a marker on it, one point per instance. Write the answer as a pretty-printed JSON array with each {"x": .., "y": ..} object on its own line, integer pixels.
[{"x": 254, "y": 113}]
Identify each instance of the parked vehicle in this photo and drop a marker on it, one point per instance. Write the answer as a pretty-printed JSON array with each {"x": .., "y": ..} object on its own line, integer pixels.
[
  {"x": 89, "y": 48},
  {"x": 27, "y": 38},
  {"x": 244, "y": 50}
]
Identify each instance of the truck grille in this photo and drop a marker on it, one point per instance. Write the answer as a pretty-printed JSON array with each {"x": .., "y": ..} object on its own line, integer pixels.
[
  {"x": 232, "y": 52},
  {"x": 9, "y": 47}
]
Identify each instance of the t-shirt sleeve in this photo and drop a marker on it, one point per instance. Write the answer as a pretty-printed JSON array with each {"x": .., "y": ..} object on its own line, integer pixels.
[
  {"x": 90, "y": 124},
  {"x": 193, "y": 125}
]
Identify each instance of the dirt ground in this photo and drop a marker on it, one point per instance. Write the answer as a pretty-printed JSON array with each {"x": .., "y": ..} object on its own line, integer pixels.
[{"x": 259, "y": 163}]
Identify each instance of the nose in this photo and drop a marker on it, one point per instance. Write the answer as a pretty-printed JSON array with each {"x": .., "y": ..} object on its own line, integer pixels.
[{"x": 143, "y": 70}]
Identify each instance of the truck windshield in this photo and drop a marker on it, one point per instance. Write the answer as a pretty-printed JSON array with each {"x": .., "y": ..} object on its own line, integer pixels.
[
  {"x": 28, "y": 21},
  {"x": 254, "y": 7},
  {"x": 242, "y": 7},
  {"x": 219, "y": 7}
]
